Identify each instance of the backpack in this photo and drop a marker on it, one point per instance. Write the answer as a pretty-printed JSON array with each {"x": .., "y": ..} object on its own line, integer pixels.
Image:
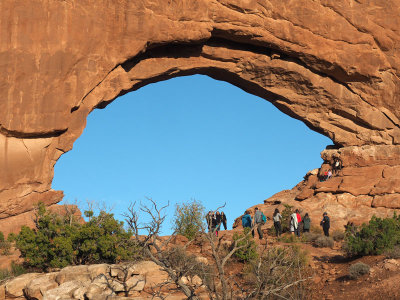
[{"x": 264, "y": 219}]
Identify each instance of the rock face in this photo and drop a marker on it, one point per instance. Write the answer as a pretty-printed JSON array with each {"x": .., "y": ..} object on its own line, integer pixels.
[
  {"x": 333, "y": 64},
  {"x": 95, "y": 282}
]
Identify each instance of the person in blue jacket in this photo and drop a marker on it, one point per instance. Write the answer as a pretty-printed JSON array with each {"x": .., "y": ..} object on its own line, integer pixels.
[{"x": 246, "y": 220}]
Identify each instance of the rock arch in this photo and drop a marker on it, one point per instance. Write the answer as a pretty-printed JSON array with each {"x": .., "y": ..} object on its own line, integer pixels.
[{"x": 332, "y": 64}]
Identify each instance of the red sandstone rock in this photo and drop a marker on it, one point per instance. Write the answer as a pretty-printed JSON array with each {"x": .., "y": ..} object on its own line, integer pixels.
[
  {"x": 388, "y": 201},
  {"x": 333, "y": 64}
]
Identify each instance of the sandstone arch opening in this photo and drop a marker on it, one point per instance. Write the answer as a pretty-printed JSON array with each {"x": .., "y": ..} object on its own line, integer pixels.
[{"x": 189, "y": 137}]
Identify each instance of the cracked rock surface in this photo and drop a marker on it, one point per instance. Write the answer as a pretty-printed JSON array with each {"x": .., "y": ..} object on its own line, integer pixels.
[{"x": 333, "y": 64}]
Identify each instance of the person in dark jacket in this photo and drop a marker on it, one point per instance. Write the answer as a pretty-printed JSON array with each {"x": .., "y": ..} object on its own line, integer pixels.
[
  {"x": 325, "y": 223},
  {"x": 217, "y": 222},
  {"x": 306, "y": 223},
  {"x": 246, "y": 220},
  {"x": 223, "y": 220}
]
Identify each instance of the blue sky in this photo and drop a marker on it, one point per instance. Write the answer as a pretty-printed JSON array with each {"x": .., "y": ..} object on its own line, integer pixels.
[{"x": 188, "y": 137}]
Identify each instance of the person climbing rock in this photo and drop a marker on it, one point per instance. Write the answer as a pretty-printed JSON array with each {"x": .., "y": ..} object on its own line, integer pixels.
[
  {"x": 277, "y": 217},
  {"x": 337, "y": 165},
  {"x": 325, "y": 223},
  {"x": 306, "y": 223}
]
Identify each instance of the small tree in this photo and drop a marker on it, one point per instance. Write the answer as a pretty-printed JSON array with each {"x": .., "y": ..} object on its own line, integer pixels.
[
  {"x": 189, "y": 219},
  {"x": 376, "y": 237},
  {"x": 59, "y": 241}
]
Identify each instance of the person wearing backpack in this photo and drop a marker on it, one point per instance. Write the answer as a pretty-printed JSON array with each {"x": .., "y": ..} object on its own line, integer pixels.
[
  {"x": 246, "y": 220},
  {"x": 258, "y": 222}
]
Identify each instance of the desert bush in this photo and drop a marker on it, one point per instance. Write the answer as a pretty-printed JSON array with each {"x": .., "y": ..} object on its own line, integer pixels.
[
  {"x": 358, "y": 269},
  {"x": 288, "y": 238},
  {"x": 393, "y": 253},
  {"x": 14, "y": 271},
  {"x": 5, "y": 245},
  {"x": 310, "y": 237},
  {"x": 57, "y": 241},
  {"x": 5, "y": 248},
  {"x": 376, "y": 237},
  {"x": 11, "y": 237},
  {"x": 248, "y": 250},
  {"x": 323, "y": 242},
  {"x": 189, "y": 219},
  {"x": 316, "y": 229},
  {"x": 279, "y": 273},
  {"x": 338, "y": 235}
]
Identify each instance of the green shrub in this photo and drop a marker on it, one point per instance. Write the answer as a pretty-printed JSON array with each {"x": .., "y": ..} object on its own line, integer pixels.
[
  {"x": 1, "y": 236},
  {"x": 323, "y": 242},
  {"x": 248, "y": 252},
  {"x": 57, "y": 242},
  {"x": 189, "y": 219},
  {"x": 374, "y": 238},
  {"x": 358, "y": 269}
]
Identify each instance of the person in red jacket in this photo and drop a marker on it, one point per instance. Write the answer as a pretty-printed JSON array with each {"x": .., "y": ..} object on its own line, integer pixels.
[{"x": 297, "y": 231}]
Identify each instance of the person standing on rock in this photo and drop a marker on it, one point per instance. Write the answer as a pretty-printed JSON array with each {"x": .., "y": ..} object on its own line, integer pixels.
[
  {"x": 294, "y": 225},
  {"x": 277, "y": 222},
  {"x": 217, "y": 222},
  {"x": 246, "y": 220},
  {"x": 223, "y": 220},
  {"x": 306, "y": 223},
  {"x": 258, "y": 222},
  {"x": 325, "y": 223}
]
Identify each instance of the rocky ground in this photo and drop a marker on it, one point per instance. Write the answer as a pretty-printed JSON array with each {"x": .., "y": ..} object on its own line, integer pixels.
[{"x": 330, "y": 277}]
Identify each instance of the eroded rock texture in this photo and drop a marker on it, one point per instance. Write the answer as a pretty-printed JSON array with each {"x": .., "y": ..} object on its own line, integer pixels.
[{"x": 334, "y": 64}]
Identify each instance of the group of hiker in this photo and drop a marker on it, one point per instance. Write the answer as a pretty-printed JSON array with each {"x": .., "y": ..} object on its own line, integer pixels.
[
  {"x": 214, "y": 221},
  {"x": 258, "y": 220},
  {"x": 296, "y": 223},
  {"x": 333, "y": 170}
]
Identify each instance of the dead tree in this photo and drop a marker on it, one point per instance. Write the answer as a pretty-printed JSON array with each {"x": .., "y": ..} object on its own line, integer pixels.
[{"x": 154, "y": 247}]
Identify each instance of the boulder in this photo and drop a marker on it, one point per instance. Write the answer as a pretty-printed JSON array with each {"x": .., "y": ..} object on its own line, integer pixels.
[
  {"x": 14, "y": 287},
  {"x": 38, "y": 286},
  {"x": 64, "y": 291}
]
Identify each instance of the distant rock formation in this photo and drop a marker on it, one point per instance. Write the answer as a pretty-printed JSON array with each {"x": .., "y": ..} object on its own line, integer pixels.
[{"x": 333, "y": 64}]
